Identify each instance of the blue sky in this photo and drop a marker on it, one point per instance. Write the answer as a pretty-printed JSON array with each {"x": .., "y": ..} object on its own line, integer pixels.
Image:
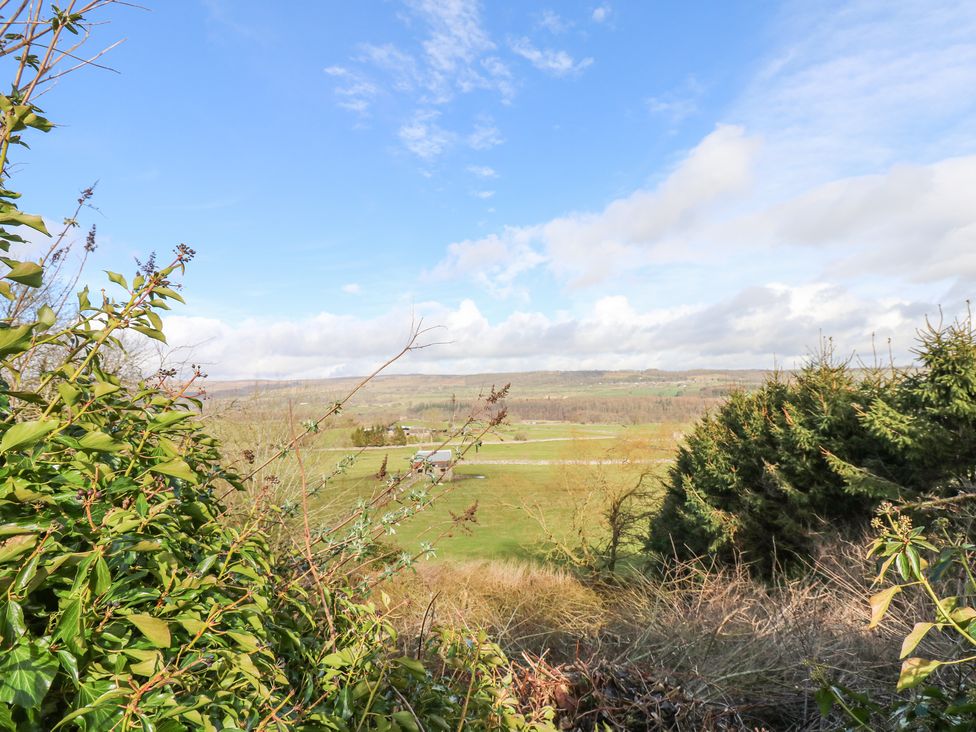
[{"x": 559, "y": 185}]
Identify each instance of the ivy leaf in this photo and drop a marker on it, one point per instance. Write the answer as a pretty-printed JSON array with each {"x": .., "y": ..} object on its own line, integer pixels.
[
  {"x": 26, "y": 674},
  {"x": 914, "y": 671},
  {"x": 880, "y": 603},
  {"x": 155, "y": 629},
  {"x": 914, "y": 638},
  {"x": 70, "y": 626},
  {"x": 24, "y": 273},
  {"x": 70, "y": 664},
  {"x": 177, "y": 468},
  {"x": 25, "y": 434}
]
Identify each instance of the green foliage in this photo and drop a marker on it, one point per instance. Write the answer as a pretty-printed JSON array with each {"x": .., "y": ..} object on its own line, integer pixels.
[
  {"x": 129, "y": 599},
  {"x": 939, "y": 568},
  {"x": 770, "y": 470},
  {"x": 378, "y": 436}
]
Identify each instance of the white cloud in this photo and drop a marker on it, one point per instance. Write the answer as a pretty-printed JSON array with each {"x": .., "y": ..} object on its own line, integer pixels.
[
  {"x": 864, "y": 88},
  {"x": 601, "y": 13},
  {"x": 482, "y": 171},
  {"x": 552, "y": 22},
  {"x": 484, "y": 195},
  {"x": 352, "y": 288},
  {"x": 485, "y": 135},
  {"x": 557, "y": 63},
  {"x": 746, "y": 330},
  {"x": 917, "y": 223},
  {"x": 635, "y": 230},
  {"x": 677, "y": 104},
  {"x": 356, "y": 92},
  {"x": 424, "y": 137}
]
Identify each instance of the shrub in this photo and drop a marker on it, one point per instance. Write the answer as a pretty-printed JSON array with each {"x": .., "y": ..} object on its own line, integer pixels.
[
  {"x": 770, "y": 470},
  {"x": 128, "y": 599}
]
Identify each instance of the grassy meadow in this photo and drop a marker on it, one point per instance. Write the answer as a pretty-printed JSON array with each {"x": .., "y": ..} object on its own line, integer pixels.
[{"x": 533, "y": 482}]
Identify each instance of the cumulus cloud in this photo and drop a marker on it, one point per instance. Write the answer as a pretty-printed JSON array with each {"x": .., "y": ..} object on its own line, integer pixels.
[
  {"x": 637, "y": 229},
  {"x": 914, "y": 222},
  {"x": 746, "y": 330},
  {"x": 601, "y": 13}
]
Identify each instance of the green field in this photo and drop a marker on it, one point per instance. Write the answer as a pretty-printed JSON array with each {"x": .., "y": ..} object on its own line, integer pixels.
[{"x": 532, "y": 479}]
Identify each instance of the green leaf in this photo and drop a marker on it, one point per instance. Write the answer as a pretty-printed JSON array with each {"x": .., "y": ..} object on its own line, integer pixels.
[
  {"x": 880, "y": 602},
  {"x": 103, "y": 388},
  {"x": 25, "y": 434},
  {"x": 15, "y": 340},
  {"x": 165, "y": 419},
  {"x": 914, "y": 671},
  {"x": 27, "y": 572},
  {"x": 15, "y": 546},
  {"x": 26, "y": 673},
  {"x": 100, "y": 442},
  {"x": 177, "y": 468},
  {"x": 167, "y": 292},
  {"x": 152, "y": 333},
  {"x": 18, "y": 218},
  {"x": 915, "y": 637},
  {"x": 117, "y": 279},
  {"x": 70, "y": 664},
  {"x": 69, "y": 626},
  {"x": 46, "y": 316},
  {"x": 147, "y": 662},
  {"x": 245, "y": 640},
  {"x": 155, "y": 629},
  {"x": 69, "y": 394},
  {"x": 103, "y": 577},
  {"x": 30, "y": 274},
  {"x": 14, "y": 622},
  {"x": 100, "y": 704}
]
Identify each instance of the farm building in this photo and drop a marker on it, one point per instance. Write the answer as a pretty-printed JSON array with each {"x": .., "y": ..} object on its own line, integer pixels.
[{"x": 440, "y": 461}]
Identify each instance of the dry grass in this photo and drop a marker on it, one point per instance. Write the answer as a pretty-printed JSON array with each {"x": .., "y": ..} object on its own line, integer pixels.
[
  {"x": 524, "y": 607},
  {"x": 699, "y": 648}
]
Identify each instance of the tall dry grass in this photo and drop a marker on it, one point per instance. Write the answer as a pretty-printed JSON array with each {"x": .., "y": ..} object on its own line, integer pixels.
[{"x": 712, "y": 644}]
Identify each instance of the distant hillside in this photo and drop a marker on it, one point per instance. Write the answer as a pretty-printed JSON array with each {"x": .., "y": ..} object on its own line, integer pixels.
[{"x": 565, "y": 396}]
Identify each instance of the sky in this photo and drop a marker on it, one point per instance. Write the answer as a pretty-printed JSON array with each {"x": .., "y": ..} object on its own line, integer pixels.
[{"x": 550, "y": 185}]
